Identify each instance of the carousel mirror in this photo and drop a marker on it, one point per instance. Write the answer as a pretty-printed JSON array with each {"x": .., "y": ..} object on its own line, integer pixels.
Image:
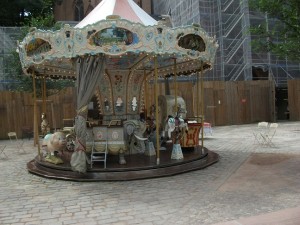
[
  {"x": 37, "y": 46},
  {"x": 113, "y": 35},
  {"x": 193, "y": 42}
]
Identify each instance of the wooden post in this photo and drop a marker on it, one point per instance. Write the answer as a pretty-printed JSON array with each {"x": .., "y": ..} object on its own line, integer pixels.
[{"x": 156, "y": 111}]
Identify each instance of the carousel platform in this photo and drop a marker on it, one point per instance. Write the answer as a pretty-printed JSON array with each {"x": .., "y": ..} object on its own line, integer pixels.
[{"x": 138, "y": 166}]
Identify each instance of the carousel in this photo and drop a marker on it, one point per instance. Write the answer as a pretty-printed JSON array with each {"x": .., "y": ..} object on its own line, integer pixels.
[{"x": 114, "y": 55}]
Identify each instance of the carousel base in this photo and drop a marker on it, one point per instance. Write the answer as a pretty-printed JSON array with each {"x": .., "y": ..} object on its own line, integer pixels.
[{"x": 137, "y": 166}]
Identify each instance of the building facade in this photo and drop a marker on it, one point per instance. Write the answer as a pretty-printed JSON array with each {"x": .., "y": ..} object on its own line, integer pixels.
[{"x": 230, "y": 21}]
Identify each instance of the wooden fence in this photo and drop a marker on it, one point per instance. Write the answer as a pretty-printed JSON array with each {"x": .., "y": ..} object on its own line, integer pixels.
[
  {"x": 229, "y": 103},
  {"x": 294, "y": 99},
  {"x": 16, "y": 111},
  {"x": 225, "y": 103}
]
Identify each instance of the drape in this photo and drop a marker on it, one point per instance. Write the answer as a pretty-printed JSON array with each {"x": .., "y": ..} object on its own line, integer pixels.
[{"x": 89, "y": 71}]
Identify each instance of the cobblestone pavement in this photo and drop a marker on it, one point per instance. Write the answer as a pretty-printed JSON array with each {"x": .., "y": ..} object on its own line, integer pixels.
[{"x": 241, "y": 184}]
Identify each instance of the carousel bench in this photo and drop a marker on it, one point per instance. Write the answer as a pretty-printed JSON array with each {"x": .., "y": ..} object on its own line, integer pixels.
[
  {"x": 99, "y": 148},
  {"x": 107, "y": 140}
]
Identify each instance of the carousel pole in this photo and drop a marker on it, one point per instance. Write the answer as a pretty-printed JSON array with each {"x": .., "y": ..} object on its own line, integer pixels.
[
  {"x": 44, "y": 94},
  {"x": 202, "y": 106},
  {"x": 156, "y": 111},
  {"x": 146, "y": 95},
  {"x": 197, "y": 99},
  {"x": 175, "y": 79},
  {"x": 36, "y": 130}
]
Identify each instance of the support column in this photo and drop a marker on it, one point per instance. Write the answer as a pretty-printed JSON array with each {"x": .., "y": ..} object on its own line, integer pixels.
[
  {"x": 175, "y": 79},
  {"x": 202, "y": 106},
  {"x": 145, "y": 96},
  {"x": 156, "y": 111},
  {"x": 197, "y": 98},
  {"x": 44, "y": 94}
]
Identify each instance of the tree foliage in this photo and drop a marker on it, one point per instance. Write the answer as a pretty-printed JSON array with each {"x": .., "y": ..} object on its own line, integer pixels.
[
  {"x": 44, "y": 21},
  {"x": 281, "y": 35},
  {"x": 16, "y": 12}
]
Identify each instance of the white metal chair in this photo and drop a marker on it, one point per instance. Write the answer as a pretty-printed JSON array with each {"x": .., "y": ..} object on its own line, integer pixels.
[
  {"x": 260, "y": 131},
  {"x": 2, "y": 148},
  {"x": 268, "y": 136},
  {"x": 99, "y": 149},
  {"x": 207, "y": 128},
  {"x": 15, "y": 141}
]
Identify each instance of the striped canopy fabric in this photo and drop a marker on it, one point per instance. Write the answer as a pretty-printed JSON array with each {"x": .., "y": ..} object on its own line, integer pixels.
[{"x": 126, "y": 9}]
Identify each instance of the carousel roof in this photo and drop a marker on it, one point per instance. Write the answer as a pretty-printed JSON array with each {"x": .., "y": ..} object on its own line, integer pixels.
[
  {"x": 126, "y": 39},
  {"x": 126, "y": 9}
]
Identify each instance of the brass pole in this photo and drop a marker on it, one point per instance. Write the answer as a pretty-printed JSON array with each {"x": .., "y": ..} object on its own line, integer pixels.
[
  {"x": 44, "y": 94},
  {"x": 146, "y": 95},
  {"x": 34, "y": 109},
  {"x": 197, "y": 99},
  {"x": 175, "y": 79},
  {"x": 156, "y": 111},
  {"x": 35, "y": 125},
  {"x": 202, "y": 106},
  {"x": 150, "y": 97}
]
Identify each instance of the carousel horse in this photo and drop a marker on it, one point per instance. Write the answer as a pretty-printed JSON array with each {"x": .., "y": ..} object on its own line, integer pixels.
[{"x": 175, "y": 126}]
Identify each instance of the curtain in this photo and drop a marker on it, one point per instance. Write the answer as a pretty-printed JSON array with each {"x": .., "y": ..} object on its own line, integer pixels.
[{"x": 89, "y": 71}]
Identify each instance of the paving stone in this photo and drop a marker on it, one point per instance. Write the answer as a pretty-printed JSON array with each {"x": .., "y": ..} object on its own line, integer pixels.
[{"x": 198, "y": 197}]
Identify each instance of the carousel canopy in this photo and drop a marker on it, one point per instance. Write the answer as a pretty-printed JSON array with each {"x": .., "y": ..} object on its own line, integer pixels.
[
  {"x": 126, "y": 9},
  {"x": 113, "y": 59},
  {"x": 129, "y": 40}
]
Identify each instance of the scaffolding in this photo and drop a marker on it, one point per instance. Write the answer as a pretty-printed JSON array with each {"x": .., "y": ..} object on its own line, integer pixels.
[
  {"x": 230, "y": 22},
  {"x": 8, "y": 40}
]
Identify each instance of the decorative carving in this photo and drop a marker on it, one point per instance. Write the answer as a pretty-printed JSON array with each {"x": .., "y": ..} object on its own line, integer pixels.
[
  {"x": 119, "y": 104},
  {"x": 106, "y": 104},
  {"x": 134, "y": 104},
  {"x": 70, "y": 42},
  {"x": 45, "y": 126}
]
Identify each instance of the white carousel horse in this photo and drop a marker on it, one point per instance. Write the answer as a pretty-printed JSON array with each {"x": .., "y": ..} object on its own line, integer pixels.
[{"x": 175, "y": 123}]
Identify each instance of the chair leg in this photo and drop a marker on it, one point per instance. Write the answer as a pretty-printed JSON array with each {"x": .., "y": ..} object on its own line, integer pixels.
[
  {"x": 21, "y": 146},
  {"x": 2, "y": 148},
  {"x": 269, "y": 142},
  {"x": 258, "y": 138}
]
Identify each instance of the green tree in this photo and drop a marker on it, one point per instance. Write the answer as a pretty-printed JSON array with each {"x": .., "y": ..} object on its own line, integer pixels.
[
  {"x": 22, "y": 82},
  {"x": 16, "y": 12},
  {"x": 281, "y": 34}
]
